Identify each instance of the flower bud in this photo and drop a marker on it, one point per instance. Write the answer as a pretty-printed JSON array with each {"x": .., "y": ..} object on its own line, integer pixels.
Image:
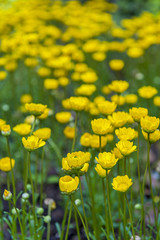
[
  {"x": 6, "y": 130},
  {"x": 77, "y": 202},
  {"x": 14, "y": 212},
  {"x": 47, "y": 219},
  {"x": 7, "y": 195},
  {"x": 138, "y": 206},
  {"x": 40, "y": 211},
  {"x": 25, "y": 196},
  {"x": 29, "y": 188}
]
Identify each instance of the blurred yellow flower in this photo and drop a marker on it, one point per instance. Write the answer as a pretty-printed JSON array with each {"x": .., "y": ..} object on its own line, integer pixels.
[
  {"x": 6, "y": 165},
  {"x": 95, "y": 141},
  {"x": 69, "y": 132},
  {"x": 116, "y": 64},
  {"x": 107, "y": 160},
  {"x": 126, "y": 133},
  {"x": 156, "y": 101},
  {"x": 119, "y": 100},
  {"x": 122, "y": 183},
  {"x": 43, "y": 133},
  {"x": 101, "y": 172},
  {"x": 126, "y": 147},
  {"x": 106, "y": 90},
  {"x": 85, "y": 139},
  {"x": 118, "y": 119},
  {"x": 99, "y": 56},
  {"x": 107, "y": 107},
  {"x": 7, "y": 195},
  {"x": 32, "y": 143},
  {"x": 47, "y": 112},
  {"x": 22, "y": 129},
  {"x": 68, "y": 185},
  {"x": 135, "y": 52},
  {"x": 138, "y": 113},
  {"x": 63, "y": 117},
  {"x": 89, "y": 77},
  {"x": 26, "y": 98},
  {"x": 51, "y": 84},
  {"x": 153, "y": 137},
  {"x": 35, "y": 108},
  {"x": 147, "y": 91},
  {"x": 118, "y": 86},
  {"x": 78, "y": 103},
  {"x": 149, "y": 124},
  {"x": 6, "y": 130},
  {"x": 117, "y": 153},
  {"x": 85, "y": 90},
  {"x": 101, "y": 126},
  {"x": 131, "y": 98},
  {"x": 3, "y": 75},
  {"x": 2, "y": 122}
]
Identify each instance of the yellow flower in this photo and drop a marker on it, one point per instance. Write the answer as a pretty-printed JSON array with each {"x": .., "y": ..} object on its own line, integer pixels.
[
  {"x": 35, "y": 108},
  {"x": 153, "y": 137},
  {"x": 32, "y": 143},
  {"x": 2, "y": 122},
  {"x": 126, "y": 133},
  {"x": 118, "y": 119},
  {"x": 89, "y": 77},
  {"x": 106, "y": 90},
  {"x": 110, "y": 137},
  {"x": 98, "y": 99},
  {"x": 78, "y": 103},
  {"x": 68, "y": 185},
  {"x": 85, "y": 90},
  {"x": 47, "y": 112},
  {"x": 117, "y": 153},
  {"x": 50, "y": 84},
  {"x": 101, "y": 126},
  {"x": 107, "y": 160},
  {"x": 138, "y": 113},
  {"x": 85, "y": 139},
  {"x": 135, "y": 52},
  {"x": 44, "y": 72},
  {"x": 6, "y": 165},
  {"x": 43, "y": 133},
  {"x": 22, "y": 129},
  {"x": 107, "y": 107},
  {"x": 95, "y": 141},
  {"x": 101, "y": 172},
  {"x": 69, "y": 132},
  {"x": 125, "y": 147},
  {"x": 63, "y": 81},
  {"x": 147, "y": 91},
  {"x": 116, "y": 64},
  {"x": 149, "y": 124},
  {"x": 63, "y": 117},
  {"x": 99, "y": 56},
  {"x": 26, "y": 98},
  {"x": 66, "y": 103},
  {"x": 6, "y": 130},
  {"x": 31, "y": 62},
  {"x": 76, "y": 160},
  {"x": 119, "y": 100},
  {"x": 131, "y": 98},
  {"x": 122, "y": 183},
  {"x": 7, "y": 195},
  {"x": 3, "y": 75},
  {"x": 156, "y": 101},
  {"x": 84, "y": 169},
  {"x": 118, "y": 86}
]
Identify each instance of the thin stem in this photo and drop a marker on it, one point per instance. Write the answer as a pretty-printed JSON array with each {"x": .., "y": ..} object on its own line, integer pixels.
[
  {"x": 49, "y": 224},
  {"x": 76, "y": 220},
  {"x": 100, "y": 143},
  {"x": 21, "y": 227},
  {"x": 33, "y": 197},
  {"x": 69, "y": 219},
  {"x": 85, "y": 219},
  {"x": 42, "y": 174},
  {"x": 124, "y": 217},
  {"x": 109, "y": 206},
  {"x": 75, "y": 136},
  {"x": 64, "y": 219},
  {"x": 131, "y": 218},
  {"x": 26, "y": 173},
  {"x": 12, "y": 173},
  {"x": 106, "y": 212},
  {"x": 33, "y": 126},
  {"x": 1, "y": 215}
]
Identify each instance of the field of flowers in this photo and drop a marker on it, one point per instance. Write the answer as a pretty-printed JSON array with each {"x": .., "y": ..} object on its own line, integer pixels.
[{"x": 79, "y": 122}]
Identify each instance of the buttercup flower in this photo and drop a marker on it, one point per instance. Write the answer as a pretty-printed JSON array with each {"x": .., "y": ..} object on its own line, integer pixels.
[
  {"x": 6, "y": 165},
  {"x": 119, "y": 100},
  {"x": 138, "y": 113},
  {"x": 156, "y": 101},
  {"x": 149, "y": 124},
  {"x": 107, "y": 107},
  {"x": 2, "y": 122},
  {"x": 118, "y": 119},
  {"x": 131, "y": 98},
  {"x": 47, "y": 112},
  {"x": 126, "y": 147},
  {"x": 116, "y": 64},
  {"x": 153, "y": 137},
  {"x": 84, "y": 169},
  {"x": 95, "y": 141},
  {"x": 126, "y": 133},
  {"x": 76, "y": 160},
  {"x": 101, "y": 126},
  {"x": 6, "y": 130},
  {"x": 68, "y": 185},
  {"x": 85, "y": 139},
  {"x": 117, "y": 153},
  {"x": 122, "y": 183},
  {"x": 85, "y": 90},
  {"x": 26, "y": 98},
  {"x": 106, "y": 90},
  {"x": 69, "y": 132},
  {"x": 7, "y": 195},
  {"x": 22, "y": 129},
  {"x": 43, "y": 133},
  {"x": 118, "y": 86},
  {"x": 78, "y": 103},
  {"x": 63, "y": 117},
  {"x": 107, "y": 160},
  {"x": 35, "y": 108},
  {"x": 147, "y": 91},
  {"x": 135, "y": 52},
  {"x": 51, "y": 84},
  {"x": 32, "y": 143},
  {"x": 101, "y": 172}
]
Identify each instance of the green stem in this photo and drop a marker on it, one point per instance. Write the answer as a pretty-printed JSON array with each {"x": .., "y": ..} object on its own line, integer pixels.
[
  {"x": 124, "y": 217},
  {"x": 49, "y": 224},
  {"x": 100, "y": 143},
  {"x": 80, "y": 187},
  {"x": 64, "y": 219},
  {"x": 131, "y": 218},
  {"x": 109, "y": 206},
  {"x": 33, "y": 198},
  {"x": 1, "y": 215},
  {"x": 75, "y": 136},
  {"x": 69, "y": 219},
  {"x": 26, "y": 173},
  {"x": 33, "y": 126},
  {"x": 12, "y": 173},
  {"x": 42, "y": 173},
  {"x": 106, "y": 212},
  {"x": 21, "y": 227},
  {"x": 76, "y": 220}
]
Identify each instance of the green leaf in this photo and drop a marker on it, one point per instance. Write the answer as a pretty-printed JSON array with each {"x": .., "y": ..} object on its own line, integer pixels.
[{"x": 53, "y": 179}]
